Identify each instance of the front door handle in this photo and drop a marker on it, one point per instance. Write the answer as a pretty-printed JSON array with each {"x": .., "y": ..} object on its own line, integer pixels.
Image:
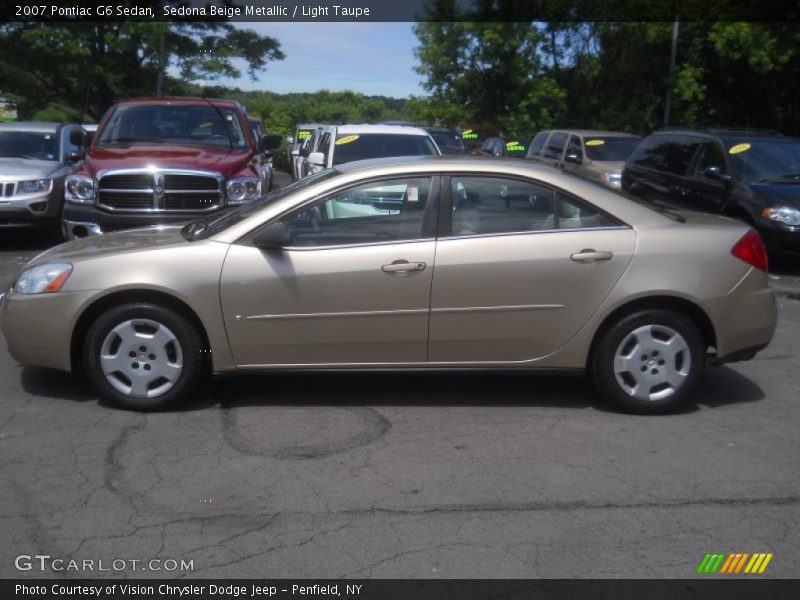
[
  {"x": 403, "y": 266},
  {"x": 589, "y": 255}
]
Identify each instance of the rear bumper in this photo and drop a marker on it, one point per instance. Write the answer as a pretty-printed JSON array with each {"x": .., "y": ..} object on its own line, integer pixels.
[{"x": 744, "y": 319}]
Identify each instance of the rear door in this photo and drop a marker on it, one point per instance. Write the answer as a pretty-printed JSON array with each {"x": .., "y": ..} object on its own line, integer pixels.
[{"x": 520, "y": 267}]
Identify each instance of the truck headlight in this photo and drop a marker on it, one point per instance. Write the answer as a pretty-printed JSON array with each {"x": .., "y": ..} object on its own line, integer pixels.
[
  {"x": 782, "y": 214},
  {"x": 79, "y": 189},
  {"x": 243, "y": 189},
  {"x": 34, "y": 186},
  {"x": 43, "y": 279}
]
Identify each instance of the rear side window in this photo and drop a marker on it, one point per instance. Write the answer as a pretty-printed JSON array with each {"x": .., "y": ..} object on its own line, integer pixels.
[
  {"x": 538, "y": 143},
  {"x": 668, "y": 154},
  {"x": 555, "y": 145}
]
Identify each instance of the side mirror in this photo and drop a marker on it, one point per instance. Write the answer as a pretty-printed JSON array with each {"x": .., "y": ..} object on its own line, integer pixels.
[
  {"x": 317, "y": 158},
  {"x": 274, "y": 236},
  {"x": 573, "y": 158},
  {"x": 716, "y": 174},
  {"x": 289, "y": 139},
  {"x": 268, "y": 142},
  {"x": 74, "y": 156}
]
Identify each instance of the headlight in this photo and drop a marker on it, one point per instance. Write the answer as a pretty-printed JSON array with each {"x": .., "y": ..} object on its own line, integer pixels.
[
  {"x": 43, "y": 279},
  {"x": 613, "y": 180},
  {"x": 243, "y": 189},
  {"x": 34, "y": 186},
  {"x": 782, "y": 214},
  {"x": 79, "y": 189}
]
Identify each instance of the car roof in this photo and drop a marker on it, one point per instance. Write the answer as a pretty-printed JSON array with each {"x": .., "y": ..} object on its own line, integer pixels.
[
  {"x": 388, "y": 129},
  {"x": 180, "y": 100},
  {"x": 725, "y": 133},
  {"x": 594, "y": 132},
  {"x": 440, "y": 130},
  {"x": 309, "y": 125},
  {"x": 33, "y": 126}
]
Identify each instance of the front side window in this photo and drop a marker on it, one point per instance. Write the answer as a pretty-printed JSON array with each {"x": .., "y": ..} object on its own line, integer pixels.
[
  {"x": 33, "y": 145},
  {"x": 555, "y": 145},
  {"x": 574, "y": 147},
  {"x": 350, "y": 147},
  {"x": 381, "y": 211},
  {"x": 710, "y": 155},
  {"x": 497, "y": 205}
]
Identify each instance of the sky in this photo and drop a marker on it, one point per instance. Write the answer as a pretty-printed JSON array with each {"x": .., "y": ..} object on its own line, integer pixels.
[{"x": 371, "y": 58}]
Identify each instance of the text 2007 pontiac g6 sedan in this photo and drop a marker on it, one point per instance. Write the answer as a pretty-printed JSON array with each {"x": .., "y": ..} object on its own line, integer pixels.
[{"x": 421, "y": 262}]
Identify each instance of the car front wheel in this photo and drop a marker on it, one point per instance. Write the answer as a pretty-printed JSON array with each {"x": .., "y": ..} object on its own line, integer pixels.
[
  {"x": 648, "y": 362},
  {"x": 143, "y": 356}
]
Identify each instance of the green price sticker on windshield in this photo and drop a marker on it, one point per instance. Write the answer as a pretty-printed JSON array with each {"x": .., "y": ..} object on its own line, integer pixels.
[
  {"x": 468, "y": 134},
  {"x": 739, "y": 148},
  {"x": 515, "y": 147},
  {"x": 303, "y": 134},
  {"x": 346, "y": 139},
  {"x": 595, "y": 142}
]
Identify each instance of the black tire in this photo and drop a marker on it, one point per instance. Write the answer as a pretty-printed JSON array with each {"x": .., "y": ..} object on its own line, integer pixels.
[
  {"x": 186, "y": 348},
  {"x": 652, "y": 363}
]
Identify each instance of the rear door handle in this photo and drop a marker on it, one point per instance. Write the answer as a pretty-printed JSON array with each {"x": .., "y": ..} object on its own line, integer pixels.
[
  {"x": 403, "y": 266},
  {"x": 591, "y": 256}
]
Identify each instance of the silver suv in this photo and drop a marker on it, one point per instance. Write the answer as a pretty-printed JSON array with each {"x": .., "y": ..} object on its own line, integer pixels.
[{"x": 34, "y": 159}]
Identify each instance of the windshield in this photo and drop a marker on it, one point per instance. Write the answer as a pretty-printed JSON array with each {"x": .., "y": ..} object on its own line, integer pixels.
[
  {"x": 204, "y": 228},
  {"x": 765, "y": 160},
  {"x": 380, "y": 145},
  {"x": 173, "y": 124},
  {"x": 28, "y": 144},
  {"x": 449, "y": 142},
  {"x": 610, "y": 149}
]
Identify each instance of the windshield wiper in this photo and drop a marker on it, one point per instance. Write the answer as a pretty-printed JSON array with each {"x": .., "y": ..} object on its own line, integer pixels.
[{"x": 788, "y": 178}]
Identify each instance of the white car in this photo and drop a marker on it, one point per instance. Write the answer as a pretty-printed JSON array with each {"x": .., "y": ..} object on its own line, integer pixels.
[{"x": 341, "y": 144}]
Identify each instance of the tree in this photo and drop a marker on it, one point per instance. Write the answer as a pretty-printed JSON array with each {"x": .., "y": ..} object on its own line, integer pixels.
[{"x": 83, "y": 68}]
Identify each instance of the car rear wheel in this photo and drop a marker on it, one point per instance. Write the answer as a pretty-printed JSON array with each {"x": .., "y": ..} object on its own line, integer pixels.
[
  {"x": 648, "y": 362},
  {"x": 143, "y": 356}
]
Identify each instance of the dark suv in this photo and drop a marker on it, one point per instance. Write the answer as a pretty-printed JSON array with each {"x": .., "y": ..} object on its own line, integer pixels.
[{"x": 746, "y": 174}]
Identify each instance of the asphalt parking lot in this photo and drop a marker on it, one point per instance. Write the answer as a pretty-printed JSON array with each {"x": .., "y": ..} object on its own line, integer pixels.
[{"x": 403, "y": 475}]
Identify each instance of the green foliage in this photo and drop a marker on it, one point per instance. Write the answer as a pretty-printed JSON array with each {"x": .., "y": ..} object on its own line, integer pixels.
[{"x": 88, "y": 66}]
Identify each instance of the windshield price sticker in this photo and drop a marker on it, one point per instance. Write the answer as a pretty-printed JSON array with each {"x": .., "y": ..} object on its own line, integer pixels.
[
  {"x": 303, "y": 134},
  {"x": 346, "y": 139},
  {"x": 468, "y": 134},
  {"x": 515, "y": 147},
  {"x": 413, "y": 194},
  {"x": 739, "y": 148},
  {"x": 595, "y": 142}
]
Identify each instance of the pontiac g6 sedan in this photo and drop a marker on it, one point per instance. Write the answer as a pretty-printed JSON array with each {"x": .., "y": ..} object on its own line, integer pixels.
[{"x": 439, "y": 263}]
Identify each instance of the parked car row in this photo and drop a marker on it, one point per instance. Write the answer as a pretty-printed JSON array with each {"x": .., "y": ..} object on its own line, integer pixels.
[{"x": 151, "y": 161}]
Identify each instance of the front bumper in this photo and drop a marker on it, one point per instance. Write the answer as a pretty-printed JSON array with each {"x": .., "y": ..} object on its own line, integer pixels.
[
  {"x": 38, "y": 327},
  {"x": 780, "y": 241},
  {"x": 82, "y": 220},
  {"x": 29, "y": 210}
]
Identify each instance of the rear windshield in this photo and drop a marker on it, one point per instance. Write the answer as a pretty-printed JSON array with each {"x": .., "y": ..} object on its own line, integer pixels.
[
  {"x": 350, "y": 147},
  {"x": 610, "y": 149}
]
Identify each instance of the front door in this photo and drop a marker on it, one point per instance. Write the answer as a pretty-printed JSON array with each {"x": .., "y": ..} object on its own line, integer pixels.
[{"x": 353, "y": 288}]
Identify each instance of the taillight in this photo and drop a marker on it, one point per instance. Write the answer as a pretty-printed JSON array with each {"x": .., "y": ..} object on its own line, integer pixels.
[{"x": 751, "y": 250}]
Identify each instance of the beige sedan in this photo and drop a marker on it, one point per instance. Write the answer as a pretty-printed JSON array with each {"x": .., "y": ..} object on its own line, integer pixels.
[{"x": 452, "y": 262}]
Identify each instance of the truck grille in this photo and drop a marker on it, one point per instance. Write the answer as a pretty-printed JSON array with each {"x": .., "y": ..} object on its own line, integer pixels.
[
  {"x": 159, "y": 191},
  {"x": 7, "y": 189}
]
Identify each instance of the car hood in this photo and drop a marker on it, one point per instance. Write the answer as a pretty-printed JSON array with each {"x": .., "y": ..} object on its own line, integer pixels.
[
  {"x": 20, "y": 169},
  {"x": 140, "y": 156},
  {"x": 787, "y": 193},
  {"x": 131, "y": 240},
  {"x": 608, "y": 166}
]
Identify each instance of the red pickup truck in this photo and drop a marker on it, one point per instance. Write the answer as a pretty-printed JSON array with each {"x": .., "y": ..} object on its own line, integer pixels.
[{"x": 158, "y": 161}]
